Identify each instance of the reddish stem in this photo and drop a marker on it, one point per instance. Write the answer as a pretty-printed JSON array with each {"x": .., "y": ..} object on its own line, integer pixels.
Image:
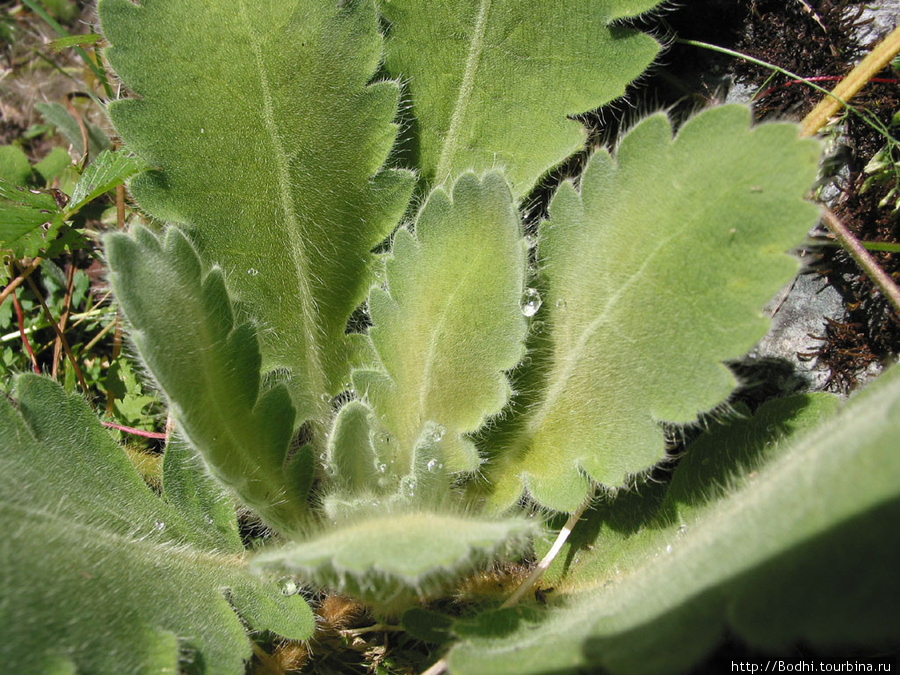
[
  {"x": 135, "y": 432},
  {"x": 821, "y": 78},
  {"x": 34, "y": 363}
]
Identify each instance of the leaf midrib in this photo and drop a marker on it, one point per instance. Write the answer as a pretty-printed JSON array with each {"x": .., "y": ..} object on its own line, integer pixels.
[
  {"x": 167, "y": 549},
  {"x": 460, "y": 109},
  {"x": 575, "y": 360},
  {"x": 295, "y": 248}
]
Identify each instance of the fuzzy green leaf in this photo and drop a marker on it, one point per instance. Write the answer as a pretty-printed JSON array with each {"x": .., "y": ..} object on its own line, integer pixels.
[
  {"x": 492, "y": 82},
  {"x": 200, "y": 499},
  {"x": 388, "y": 558},
  {"x": 449, "y": 323},
  {"x": 99, "y": 574},
  {"x": 268, "y": 141},
  {"x": 14, "y": 166},
  {"x": 802, "y": 549},
  {"x": 351, "y": 455},
  {"x": 209, "y": 368},
  {"x": 656, "y": 272}
]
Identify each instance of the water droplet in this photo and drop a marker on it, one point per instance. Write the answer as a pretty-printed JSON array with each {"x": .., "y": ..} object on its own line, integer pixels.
[
  {"x": 208, "y": 520},
  {"x": 560, "y": 304},
  {"x": 325, "y": 398},
  {"x": 531, "y": 240},
  {"x": 432, "y": 465},
  {"x": 669, "y": 548},
  {"x": 289, "y": 587},
  {"x": 531, "y": 302},
  {"x": 382, "y": 468},
  {"x": 682, "y": 530},
  {"x": 202, "y": 130},
  {"x": 537, "y": 327},
  {"x": 438, "y": 433},
  {"x": 159, "y": 525},
  {"x": 252, "y": 272}
]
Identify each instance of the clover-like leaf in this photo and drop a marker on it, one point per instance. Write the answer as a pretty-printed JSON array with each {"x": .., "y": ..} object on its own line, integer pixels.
[
  {"x": 656, "y": 272},
  {"x": 106, "y": 171},
  {"x": 493, "y": 82},
  {"x": 99, "y": 574},
  {"x": 209, "y": 367},
  {"x": 29, "y": 219},
  {"x": 796, "y": 545},
  {"x": 389, "y": 558},
  {"x": 449, "y": 324},
  {"x": 267, "y": 139}
]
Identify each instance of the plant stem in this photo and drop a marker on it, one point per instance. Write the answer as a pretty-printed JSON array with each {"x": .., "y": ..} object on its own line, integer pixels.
[
  {"x": 548, "y": 559},
  {"x": 15, "y": 283},
  {"x": 847, "y": 88},
  {"x": 878, "y": 246},
  {"x": 62, "y": 338},
  {"x": 136, "y": 432},
  {"x": 868, "y": 119},
  {"x": 21, "y": 320},
  {"x": 863, "y": 258}
]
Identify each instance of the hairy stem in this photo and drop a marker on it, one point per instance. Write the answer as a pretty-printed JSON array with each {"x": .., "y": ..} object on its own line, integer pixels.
[{"x": 548, "y": 559}]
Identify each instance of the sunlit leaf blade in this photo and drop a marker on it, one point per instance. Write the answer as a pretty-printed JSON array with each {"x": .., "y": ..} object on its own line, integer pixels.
[
  {"x": 492, "y": 82},
  {"x": 268, "y": 140},
  {"x": 29, "y": 220},
  {"x": 107, "y": 171},
  {"x": 208, "y": 366},
  {"x": 449, "y": 323},
  {"x": 389, "y": 558},
  {"x": 99, "y": 574},
  {"x": 656, "y": 272},
  {"x": 802, "y": 551}
]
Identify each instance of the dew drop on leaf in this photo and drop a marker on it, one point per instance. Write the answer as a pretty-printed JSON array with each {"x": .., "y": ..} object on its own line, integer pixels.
[
  {"x": 560, "y": 304},
  {"x": 531, "y": 302},
  {"x": 438, "y": 433},
  {"x": 252, "y": 272},
  {"x": 432, "y": 465},
  {"x": 382, "y": 468},
  {"x": 159, "y": 525}
]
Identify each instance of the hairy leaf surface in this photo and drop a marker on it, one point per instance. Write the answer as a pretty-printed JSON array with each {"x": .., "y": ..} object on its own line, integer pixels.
[
  {"x": 802, "y": 550},
  {"x": 389, "y": 558},
  {"x": 267, "y": 141},
  {"x": 100, "y": 575},
  {"x": 492, "y": 82},
  {"x": 449, "y": 323},
  {"x": 656, "y": 272},
  {"x": 209, "y": 367}
]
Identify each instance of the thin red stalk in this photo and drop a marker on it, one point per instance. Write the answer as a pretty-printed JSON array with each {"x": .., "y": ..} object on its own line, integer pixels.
[
  {"x": 25, "y": 341},
  {"x": 63, "y": 318},
  {"x": 136, "y": 432},
  {"x": 62, "y": 338},
  {"x": 820, "y": 78}
]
